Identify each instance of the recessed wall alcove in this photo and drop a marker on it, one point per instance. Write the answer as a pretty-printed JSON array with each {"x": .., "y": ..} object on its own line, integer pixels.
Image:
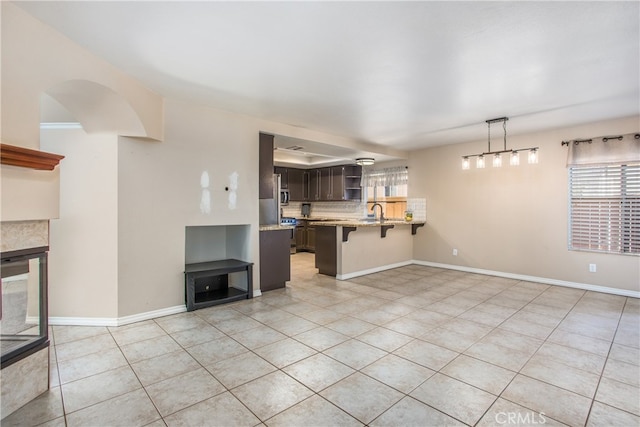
[{"x": 219, "y": 242}]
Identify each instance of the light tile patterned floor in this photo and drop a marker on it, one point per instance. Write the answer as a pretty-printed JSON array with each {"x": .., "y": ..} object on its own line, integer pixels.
[{"x": 414, "y": 346}]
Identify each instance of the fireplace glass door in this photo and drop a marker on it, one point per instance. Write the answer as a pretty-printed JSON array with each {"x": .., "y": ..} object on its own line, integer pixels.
[{"x": 23, "y": 319}]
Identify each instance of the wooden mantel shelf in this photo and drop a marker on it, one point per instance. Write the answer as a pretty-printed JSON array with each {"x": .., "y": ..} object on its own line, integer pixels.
[{"x": 27, "y": 158}]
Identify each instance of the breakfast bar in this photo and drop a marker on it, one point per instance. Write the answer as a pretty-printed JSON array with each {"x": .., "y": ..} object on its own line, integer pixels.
[{"x": 352, "y": 248}]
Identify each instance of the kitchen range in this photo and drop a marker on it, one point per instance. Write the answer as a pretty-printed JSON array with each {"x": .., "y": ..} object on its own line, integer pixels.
[{"x": 290, "y": 222}]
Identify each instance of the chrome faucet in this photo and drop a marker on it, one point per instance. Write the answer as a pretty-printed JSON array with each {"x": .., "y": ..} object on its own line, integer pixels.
[{"x": 373, "y": 209}]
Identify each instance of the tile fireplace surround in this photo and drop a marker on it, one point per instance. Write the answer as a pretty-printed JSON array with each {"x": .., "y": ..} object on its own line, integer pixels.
[{"x": 26, "y": 379}]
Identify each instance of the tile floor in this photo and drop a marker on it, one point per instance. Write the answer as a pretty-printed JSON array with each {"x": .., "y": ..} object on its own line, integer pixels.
[{"x": 413, "y": 346}]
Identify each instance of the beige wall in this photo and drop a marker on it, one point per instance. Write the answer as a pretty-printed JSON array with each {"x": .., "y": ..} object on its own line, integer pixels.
[
  {"x": 36, "y": 58},
  {"x": 83, "y": 269},
  {"x": 29, "y": 194},
  {"x": 159, "y": 195},
  {"x": 512, "y": 219},
  {"x": 366, "y": 250}
]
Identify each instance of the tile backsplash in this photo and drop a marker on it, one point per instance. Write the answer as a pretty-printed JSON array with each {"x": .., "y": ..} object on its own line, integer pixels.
[
  {"x": 350, "y": 210},
  {"x": 419, "y": 208},
  {"x": 346, "y": 210}
]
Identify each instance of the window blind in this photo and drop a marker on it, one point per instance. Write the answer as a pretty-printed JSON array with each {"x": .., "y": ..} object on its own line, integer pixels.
[{"x": 605, "y": 208}]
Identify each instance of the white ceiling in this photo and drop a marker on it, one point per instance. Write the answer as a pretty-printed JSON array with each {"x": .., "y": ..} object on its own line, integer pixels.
[{"x": 401, "y": 74}]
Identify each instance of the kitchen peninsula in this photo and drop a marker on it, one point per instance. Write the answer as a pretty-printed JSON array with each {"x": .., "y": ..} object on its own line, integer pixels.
[{"x": 347, "y": 249}]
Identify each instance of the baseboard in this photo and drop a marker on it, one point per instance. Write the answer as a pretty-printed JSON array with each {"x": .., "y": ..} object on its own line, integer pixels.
[
  {"x": 544, "y": 280},
  {"x": 121, "y": 321},
  {"x": 372, "y": 270},
  {"x": 118, "y": 321}
]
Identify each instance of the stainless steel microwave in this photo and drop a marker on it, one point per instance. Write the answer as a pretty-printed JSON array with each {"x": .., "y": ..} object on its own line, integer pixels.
[{"x": 284, "y": 197}]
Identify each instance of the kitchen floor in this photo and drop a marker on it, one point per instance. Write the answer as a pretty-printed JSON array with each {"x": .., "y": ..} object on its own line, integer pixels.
[{"x": 413, "y": 346}]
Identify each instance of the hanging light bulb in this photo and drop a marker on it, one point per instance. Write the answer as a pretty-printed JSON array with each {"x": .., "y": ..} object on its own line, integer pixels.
[
  {"x": 497, "y": 160},
  {"x": 515, "y": 158},
  {"x": 466, "y": 164},
  {"x": 533, "y": 156},
  {"x": 480, "y": 162}
]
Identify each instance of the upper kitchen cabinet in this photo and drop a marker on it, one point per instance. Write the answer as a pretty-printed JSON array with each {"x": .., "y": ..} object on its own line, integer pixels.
[
  {"x": 284, "y": 177},
  {"x": 298, "y": 185},
  {"x": 352, "y": 175},
  {"x": 320, "y": 184},
  {"x": 337, "y": 183},
  {"x": 344, "y": 183},
  {"x": 314, "y": 184},
  {"x": 265, "y": 167},
  {"x": 324, "y": 184}
]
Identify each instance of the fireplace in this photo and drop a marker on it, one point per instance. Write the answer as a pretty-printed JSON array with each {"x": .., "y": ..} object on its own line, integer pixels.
[
  {"x": 23, "y": 315},
  {"x": 24, "y": 342}
]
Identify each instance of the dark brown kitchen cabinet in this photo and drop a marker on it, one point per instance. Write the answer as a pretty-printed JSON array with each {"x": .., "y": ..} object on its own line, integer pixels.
[
  {"x": 337, "y": 183},
  {"x": 352, "y": 179},
  {"x": 284, "y": 177},
  {"x": 314, "y": 185},
  {"x": 275, "y": 259},
  {"x": 265, "y": 166},
  {"x": 298, "y": 185},
  {"x": 326, "y": 253},
  {"x": 320, "y": 184},
  {"x": 305, "y": 237},
  {"x": 311, "y": 239},
  {"x": 301, "y": 238},
  {"x": 325, "y": 184}
]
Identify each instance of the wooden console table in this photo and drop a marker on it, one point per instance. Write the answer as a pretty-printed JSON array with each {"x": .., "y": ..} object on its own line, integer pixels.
[{"x": 207, "y": 283}]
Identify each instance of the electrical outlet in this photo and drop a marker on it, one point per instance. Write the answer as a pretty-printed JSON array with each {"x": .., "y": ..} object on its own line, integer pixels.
[
  {"x": 592, "y": 268},
  {"x": 455, "y": 252}
]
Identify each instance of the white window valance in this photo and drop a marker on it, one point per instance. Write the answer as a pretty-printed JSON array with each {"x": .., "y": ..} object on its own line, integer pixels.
[
  {"x": 385, "y": 177},
  {"x": 604, "y": 150}
]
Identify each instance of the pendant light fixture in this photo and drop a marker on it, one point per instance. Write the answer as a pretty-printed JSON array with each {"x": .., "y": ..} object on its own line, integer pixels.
[{"x": 496, "y": 156}]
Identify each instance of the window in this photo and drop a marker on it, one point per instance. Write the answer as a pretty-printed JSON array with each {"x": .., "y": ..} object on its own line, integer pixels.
[
  {"x": 604, "y": 211},
  {"x": 389, "y": 188}
]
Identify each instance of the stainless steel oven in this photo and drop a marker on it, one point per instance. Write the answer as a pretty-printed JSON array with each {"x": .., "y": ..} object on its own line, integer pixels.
[{"x": 293, "y": 222}]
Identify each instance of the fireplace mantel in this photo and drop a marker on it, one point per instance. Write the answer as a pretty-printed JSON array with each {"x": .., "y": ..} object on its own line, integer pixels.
[{"x": 28, "y": 158}]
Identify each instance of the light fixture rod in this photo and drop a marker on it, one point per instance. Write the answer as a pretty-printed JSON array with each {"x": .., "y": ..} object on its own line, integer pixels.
[
  {"x": 504, "y": 126},
  {"x": 500, "y": 119},
  {"x": 501, "y": 151}
]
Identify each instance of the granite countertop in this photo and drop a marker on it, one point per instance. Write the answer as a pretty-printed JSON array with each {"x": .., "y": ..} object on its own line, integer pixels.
[
  {"x": 317, "y": 218},
  {"x": 356, "y": 223},
  {"x": 275, "y": 227}
]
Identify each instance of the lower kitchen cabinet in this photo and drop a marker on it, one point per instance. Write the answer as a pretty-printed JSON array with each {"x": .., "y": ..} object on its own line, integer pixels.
[
  {"x": 326, "y": 255},
  {"x": 305, "y": 237},
  {"x": 301, "y": 238},
  {"x": 275, "y": 259},
  {"x": 311, "y": 239}
]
